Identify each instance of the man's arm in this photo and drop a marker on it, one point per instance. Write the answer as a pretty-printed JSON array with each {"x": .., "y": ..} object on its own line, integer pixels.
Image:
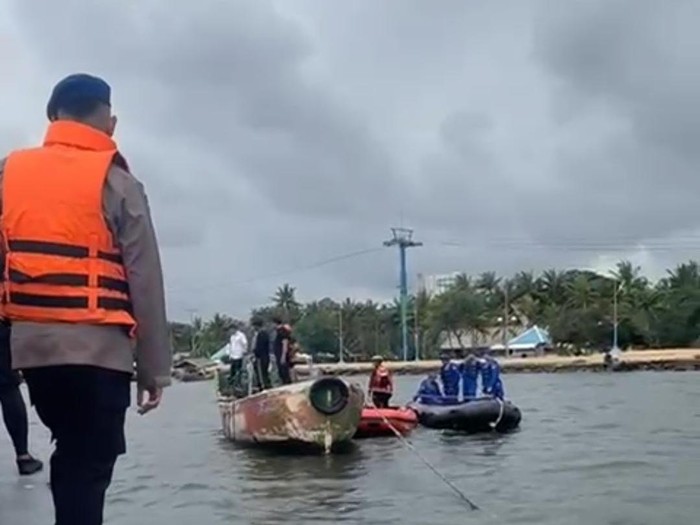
[
  {"x": 285, "y": 349},
  {"x": 129, "y": 216}
]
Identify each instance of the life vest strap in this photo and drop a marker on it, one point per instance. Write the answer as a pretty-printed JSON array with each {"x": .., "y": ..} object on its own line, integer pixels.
[
  {"x": 59, "y": 249},
  {"x": 63, "y": 301},
  {"x": 69, "y": 279}
]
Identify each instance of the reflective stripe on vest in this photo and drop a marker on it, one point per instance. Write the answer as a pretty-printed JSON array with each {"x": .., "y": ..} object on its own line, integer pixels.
[{"x": 61, "y": 264}]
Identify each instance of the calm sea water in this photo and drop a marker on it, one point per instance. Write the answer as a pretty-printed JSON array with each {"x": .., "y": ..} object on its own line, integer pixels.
[{"x": 593, "y": 449}]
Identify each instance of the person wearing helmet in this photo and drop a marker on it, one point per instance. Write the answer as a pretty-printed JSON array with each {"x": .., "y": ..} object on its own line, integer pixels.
[{"x": 381, "y": 384}]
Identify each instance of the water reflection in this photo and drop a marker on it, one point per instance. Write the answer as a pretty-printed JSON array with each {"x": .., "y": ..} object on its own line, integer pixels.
[
  {"x": 591, "y": 450},
  {"x": 298, "y": 486}
]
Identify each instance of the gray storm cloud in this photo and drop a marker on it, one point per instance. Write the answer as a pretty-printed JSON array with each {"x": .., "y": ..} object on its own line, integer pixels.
[{"x": 275, "y": 135}]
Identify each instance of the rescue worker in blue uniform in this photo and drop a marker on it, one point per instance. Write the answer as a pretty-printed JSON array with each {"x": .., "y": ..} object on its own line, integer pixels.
[
  {"x": 491, "y": 378},
  {"x": 470, "y": 377},
  {"x": 429, "y": 391},
  {"x": 450, "y": 377}
]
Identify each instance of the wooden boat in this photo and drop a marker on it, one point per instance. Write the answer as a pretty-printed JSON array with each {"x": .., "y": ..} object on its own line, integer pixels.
[
  {"x": 378, "y": 422},
  {"x": 319, "y": 413}
]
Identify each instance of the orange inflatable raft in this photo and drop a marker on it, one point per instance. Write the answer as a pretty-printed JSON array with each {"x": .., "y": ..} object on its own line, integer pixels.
[{"x": 376, "y": 422}]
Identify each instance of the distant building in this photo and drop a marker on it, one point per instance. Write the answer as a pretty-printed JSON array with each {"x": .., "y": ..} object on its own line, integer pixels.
[
  {"x": 474, "y": 342},
  {"x": 533, "y": 341},
  {"x": 436, "y": 284}
]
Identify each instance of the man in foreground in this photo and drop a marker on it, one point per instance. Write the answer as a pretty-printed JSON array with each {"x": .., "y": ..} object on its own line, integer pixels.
[{"x": 83, "y": 291}]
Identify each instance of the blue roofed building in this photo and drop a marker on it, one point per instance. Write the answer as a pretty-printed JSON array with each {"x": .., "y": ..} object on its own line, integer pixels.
[{"x": 533, "y": 341}]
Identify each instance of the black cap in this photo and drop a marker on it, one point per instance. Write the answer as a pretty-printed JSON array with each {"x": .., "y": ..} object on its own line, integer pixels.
[{"x": 76, "y": 89}]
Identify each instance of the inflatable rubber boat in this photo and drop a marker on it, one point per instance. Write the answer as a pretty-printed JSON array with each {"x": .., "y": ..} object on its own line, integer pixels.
[
  {"x": 376, "y": 422},
  {"x": 478, "y": 415}
]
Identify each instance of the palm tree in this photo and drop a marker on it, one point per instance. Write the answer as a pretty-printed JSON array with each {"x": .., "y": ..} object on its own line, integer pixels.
[{"x": 285, "y": 300}]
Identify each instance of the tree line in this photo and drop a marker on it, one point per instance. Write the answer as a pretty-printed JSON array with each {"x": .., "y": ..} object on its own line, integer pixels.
[{"x": 575, "y": 306}]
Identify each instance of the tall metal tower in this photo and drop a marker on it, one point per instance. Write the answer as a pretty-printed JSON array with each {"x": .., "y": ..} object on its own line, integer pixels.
[{"x": 403, "y": 238}]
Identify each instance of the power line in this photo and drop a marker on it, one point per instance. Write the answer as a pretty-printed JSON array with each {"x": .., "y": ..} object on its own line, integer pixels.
[
  {"x": 281, "y": 273},
  {"x": 577, "y": 246}
]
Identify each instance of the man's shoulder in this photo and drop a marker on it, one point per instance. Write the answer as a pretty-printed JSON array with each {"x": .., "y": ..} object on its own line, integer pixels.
[{"x": 121, "y": 180}]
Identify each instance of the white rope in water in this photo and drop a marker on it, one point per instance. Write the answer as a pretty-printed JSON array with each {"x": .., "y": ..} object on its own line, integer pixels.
[{"x": 409, "y": 446}]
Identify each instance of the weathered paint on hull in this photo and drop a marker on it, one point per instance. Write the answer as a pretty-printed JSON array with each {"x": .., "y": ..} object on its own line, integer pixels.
[{"x": 285, "y": 415}]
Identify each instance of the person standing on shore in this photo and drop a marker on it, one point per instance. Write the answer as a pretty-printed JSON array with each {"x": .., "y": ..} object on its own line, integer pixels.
[
  {"x": 83, "y": 291},
  {"x": 14, "y": 412}
]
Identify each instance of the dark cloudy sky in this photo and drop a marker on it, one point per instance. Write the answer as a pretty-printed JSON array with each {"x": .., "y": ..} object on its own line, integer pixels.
[{"x": 273, "y": 135}]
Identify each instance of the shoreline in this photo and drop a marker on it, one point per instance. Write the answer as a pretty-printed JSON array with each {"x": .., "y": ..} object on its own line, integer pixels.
[{"x": 684, "y": 359}]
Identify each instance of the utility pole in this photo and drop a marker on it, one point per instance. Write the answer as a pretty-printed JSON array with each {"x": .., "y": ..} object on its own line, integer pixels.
[
  {"x": 403, "y": 238},
  {"x": 615, "y": 347},
  {"x": 340, "y": 334},
  {"x": 416, "y": 335},
  {"x": 506, "y": 317},
  {"x": 192, "y": 312}
]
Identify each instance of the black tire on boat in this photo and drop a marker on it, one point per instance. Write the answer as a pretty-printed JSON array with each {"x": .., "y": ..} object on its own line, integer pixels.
[{"x": 480, "y": 415}]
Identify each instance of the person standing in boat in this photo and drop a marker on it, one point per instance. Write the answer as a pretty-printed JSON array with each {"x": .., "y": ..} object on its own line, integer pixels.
[
  {"x": 294, "y": 351},
  {"x": 470, "y": 377},
  {"x": 381, "y": 384},
  {"x": 237, "y": 349},
  {"x": 491, "y": 383},
  {"x": 450, "y": 377},
  {"x": 282, "y": 348},
  {"x": 261, "y": 353}
]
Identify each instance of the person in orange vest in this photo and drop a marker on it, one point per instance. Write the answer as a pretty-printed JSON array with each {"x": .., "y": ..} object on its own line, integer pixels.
[
  {"x": 83, "y": 291},
  {"x": 381, "y": 384}
]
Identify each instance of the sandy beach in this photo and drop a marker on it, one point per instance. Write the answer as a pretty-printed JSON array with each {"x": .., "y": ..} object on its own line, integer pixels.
[{"x": 667, "y": 359}]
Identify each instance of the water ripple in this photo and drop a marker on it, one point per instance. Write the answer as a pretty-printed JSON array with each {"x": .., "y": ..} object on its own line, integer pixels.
[{"x": 593, "y": 448}]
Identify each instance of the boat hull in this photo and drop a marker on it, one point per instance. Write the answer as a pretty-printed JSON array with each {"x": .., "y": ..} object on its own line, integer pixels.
[
  {"x": 320, "y": 413},
  {"x": 380, "y": 422},
  {"x": 478, "y": 415}
]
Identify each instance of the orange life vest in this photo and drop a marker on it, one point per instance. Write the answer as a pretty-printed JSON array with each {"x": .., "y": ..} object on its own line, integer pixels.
[
  {"x": 61, "y": 262},
  {"x": 380, "y": 381}
]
